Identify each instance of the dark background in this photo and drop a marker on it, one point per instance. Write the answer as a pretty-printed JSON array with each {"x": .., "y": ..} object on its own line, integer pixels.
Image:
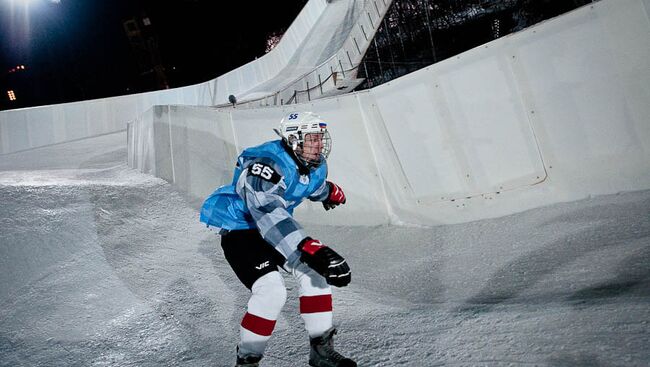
[{"x": 79, "y": 49}]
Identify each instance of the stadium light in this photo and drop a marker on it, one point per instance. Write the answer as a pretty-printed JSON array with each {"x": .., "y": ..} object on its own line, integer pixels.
[{"x": 12, "y": 95}]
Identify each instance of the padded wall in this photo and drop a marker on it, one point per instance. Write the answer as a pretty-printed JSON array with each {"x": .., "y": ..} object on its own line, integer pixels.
[{"x": 556, "y": 113}]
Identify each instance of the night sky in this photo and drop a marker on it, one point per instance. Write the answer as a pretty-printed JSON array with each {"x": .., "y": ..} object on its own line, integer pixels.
[{"x": 78, "y": 49}]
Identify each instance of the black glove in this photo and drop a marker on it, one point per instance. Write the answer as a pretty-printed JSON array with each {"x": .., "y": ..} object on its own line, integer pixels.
[
  {"x": 336, "y": 196},
  {"x": 325, "y": 262}
]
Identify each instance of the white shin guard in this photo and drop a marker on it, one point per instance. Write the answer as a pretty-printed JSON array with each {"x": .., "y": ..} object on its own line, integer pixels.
[
  {"x": 267, "y": 299},
  {"x": 315, "y": 300}
]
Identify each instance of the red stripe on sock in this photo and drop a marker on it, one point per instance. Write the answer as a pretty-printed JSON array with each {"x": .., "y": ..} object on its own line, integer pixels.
[
  {"x": 311, "y": 304},
  {"x": 258, "y": 325}
]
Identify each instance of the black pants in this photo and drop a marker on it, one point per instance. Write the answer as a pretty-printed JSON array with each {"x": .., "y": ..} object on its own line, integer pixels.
[{"x": 249, "y": 255}]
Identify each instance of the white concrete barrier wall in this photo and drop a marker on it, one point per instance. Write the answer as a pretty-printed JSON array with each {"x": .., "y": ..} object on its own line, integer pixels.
[
  {"x": 556, "y": 113},
  {"x": 29, "y": 128},
  {"x": 34, "y": 127},
  {"x": 196, "y": 149}
]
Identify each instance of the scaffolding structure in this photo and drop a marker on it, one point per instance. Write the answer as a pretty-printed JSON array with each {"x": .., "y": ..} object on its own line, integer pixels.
[{"x": 418, "y": 33}]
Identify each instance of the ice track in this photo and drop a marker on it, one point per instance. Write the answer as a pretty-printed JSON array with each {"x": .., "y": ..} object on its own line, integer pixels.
[{"x": 105, "y": 266}]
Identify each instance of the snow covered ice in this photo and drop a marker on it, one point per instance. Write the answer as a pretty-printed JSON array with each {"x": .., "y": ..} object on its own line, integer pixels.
[{"x": 105, "y": 266}]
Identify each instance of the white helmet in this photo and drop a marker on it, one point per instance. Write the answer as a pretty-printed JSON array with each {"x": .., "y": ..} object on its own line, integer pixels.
[{"x": 295, "y": 128}]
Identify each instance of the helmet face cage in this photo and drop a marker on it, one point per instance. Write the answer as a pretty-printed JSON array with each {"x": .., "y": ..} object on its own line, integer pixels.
[
  {"x": 318, "y": 143},
  {"x": 306, "y": 134}
]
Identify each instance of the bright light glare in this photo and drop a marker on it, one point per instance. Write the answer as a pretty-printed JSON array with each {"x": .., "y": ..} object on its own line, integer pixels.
[
  {"x": 28, "y": 2},
  {"x": 23, "y": 3}
]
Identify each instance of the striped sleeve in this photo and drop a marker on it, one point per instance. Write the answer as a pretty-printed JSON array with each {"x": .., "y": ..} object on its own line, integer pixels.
[
  {"x": 261, "y": 186},
  {"x": 321, "y": 193}
]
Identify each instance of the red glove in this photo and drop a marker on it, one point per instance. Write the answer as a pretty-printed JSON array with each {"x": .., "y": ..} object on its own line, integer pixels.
[
  {"x": 335, "y": 197},
  {"x": 325, "y": 262}
]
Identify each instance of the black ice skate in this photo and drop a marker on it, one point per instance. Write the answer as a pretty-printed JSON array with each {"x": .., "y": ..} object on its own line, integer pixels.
[
  {"x": 322, "y": 353},
  {"x": 248, "y": 360}
]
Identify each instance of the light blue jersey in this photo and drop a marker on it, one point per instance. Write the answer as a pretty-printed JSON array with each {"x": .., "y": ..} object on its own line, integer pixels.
[{"x": 267, "y": 186}]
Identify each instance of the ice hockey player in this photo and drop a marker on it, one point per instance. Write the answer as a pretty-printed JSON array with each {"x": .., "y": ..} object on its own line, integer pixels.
[{"x": 259, "y": 236}]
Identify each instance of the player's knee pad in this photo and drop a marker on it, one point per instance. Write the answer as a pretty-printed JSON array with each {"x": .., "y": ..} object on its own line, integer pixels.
[
  {"x": 311, "y": 283},
  {"x": 269, "y": 295}
]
